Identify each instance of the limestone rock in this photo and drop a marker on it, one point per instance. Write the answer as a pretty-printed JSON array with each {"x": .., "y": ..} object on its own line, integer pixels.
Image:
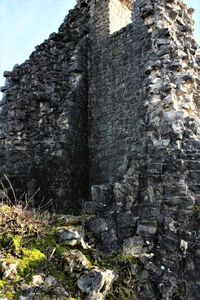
[
  {"x": 9, "y": 268},
  {"x": 72, "y": 236},
  {"x": 135, "y": 246},
  {"x": 93, "y": 281},
  {"x": 74, "y": 261},
  {"x": 49, "y": 283},
  {"x": 98, "y": 225},
  {"x": 37, "y": 280}
]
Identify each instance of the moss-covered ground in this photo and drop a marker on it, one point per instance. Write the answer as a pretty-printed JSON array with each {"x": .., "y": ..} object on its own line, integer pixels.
[
  {"x": 30, "y": 246},
  {"x": 31, "y": 249}
]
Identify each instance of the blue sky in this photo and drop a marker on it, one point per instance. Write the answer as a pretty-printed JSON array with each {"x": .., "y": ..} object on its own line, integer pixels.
[{"x": 26, "y": 23}]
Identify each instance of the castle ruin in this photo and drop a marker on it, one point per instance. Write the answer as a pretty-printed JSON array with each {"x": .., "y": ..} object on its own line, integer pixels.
[{"x": 104, "y": 118}]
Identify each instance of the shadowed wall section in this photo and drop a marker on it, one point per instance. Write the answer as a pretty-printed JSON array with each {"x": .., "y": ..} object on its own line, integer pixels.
[
  {"x": 44, "y": 118},
  {"x": 117, "y": 91}
]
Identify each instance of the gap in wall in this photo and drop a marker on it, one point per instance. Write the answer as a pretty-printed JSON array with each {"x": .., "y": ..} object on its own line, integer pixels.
[{"x": 120, "y": 13}]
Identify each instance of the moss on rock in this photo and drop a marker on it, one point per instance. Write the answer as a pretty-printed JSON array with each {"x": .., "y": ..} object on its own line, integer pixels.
[{"x": 32, "y": 247}]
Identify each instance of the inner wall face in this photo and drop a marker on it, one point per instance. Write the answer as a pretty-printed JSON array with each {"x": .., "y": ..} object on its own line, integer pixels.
[
  {"x": 119, "y": 14},
  {"x": 117, "y": 96}
]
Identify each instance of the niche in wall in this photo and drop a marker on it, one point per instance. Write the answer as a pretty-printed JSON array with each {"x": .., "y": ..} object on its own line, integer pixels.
[{"x": 120, "y": 12}]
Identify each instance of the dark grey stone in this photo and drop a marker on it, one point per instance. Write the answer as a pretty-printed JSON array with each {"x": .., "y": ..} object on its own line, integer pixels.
[
  {"x": 126, "y": 220},
  {"x": 109, "y": 241},
  {"x": 98, "y": 225}
]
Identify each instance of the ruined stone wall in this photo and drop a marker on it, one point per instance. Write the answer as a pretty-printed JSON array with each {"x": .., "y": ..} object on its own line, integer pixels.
[
  {"x": 152, "y": 211},
  {"x": 117, "y": 92},
  {"x": 142, "y": 83},
  {"x": 44, "y": 118}
]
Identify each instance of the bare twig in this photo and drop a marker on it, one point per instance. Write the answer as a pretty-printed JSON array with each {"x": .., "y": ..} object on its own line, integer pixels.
[{"x": 13, "y": 191}]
